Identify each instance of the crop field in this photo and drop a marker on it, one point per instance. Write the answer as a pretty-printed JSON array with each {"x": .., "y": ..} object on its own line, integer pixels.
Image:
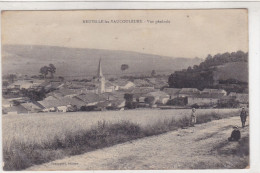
[
  {"x": 43, "y": 127},
  {"x": 40, "y": 130}
]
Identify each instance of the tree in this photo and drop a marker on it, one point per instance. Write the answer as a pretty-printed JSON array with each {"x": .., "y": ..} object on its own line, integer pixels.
[
  {"x": 52, "y": 69},
  {"x": 149, "y": 100},
  {"x": 129, "y": 98},
  {"x": 11, "y": 77},
  {"x": 189, "y": 69},
  {"x": 5, "y": 83},
  {"x": 195, "y": 67},
  {"x": 153, "y": 73},
  {"x": 44, "y": 71},
  {"x": 124, "y": 67}
]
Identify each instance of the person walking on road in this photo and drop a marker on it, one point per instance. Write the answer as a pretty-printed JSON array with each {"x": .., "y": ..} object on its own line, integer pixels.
[
  {"x": 193, "y": 119},
  {"x": 243, "y": 116}
]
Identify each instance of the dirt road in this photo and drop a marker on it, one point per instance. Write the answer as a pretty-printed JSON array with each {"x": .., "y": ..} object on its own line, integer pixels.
[{"x": 202, "y": 146}]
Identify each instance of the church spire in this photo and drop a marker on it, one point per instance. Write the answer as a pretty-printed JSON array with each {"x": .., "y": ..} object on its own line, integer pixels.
[
  {"x": 101, "y": 79},
  {"x": 100, "y": 74}
]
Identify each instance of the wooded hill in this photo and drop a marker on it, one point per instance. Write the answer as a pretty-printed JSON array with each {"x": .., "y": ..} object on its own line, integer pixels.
[{"x": 228, "y": 71}]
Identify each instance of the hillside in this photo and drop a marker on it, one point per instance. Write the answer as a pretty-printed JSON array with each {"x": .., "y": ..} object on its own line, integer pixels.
[
  {"x": 235, "y": 70},
  {"x": 219, "y": 68},
  {"x": 79, "y": 62}
]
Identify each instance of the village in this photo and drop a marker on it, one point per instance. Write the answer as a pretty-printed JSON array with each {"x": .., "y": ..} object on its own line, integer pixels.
[{"x": 33, "y": 95}]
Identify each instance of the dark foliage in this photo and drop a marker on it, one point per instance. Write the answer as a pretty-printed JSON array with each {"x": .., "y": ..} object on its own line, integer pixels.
[
  {"x": 34, "y": 95},
  {"x": 179, "y": 101},
  {"x": 129, "y": 101},
  {"x": 89, "y": 108},
  {"x": 202, "y": 76}
]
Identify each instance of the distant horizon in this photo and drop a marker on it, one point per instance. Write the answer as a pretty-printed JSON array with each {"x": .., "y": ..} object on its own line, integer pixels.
[{"x": 162, "y": 56}]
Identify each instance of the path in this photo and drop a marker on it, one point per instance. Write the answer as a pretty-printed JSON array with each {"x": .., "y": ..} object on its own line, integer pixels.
[{"x": 202, "y": 146}]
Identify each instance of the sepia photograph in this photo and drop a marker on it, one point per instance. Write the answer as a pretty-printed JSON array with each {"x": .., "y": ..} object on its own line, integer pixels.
[{"x": 125, "y": 89}]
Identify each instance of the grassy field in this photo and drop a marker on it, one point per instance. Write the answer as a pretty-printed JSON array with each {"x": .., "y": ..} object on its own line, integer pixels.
[{"x": 39, "y": 138}]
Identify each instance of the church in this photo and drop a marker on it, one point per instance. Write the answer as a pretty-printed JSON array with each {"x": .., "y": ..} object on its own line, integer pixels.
[{"x": 103, "y": 85}]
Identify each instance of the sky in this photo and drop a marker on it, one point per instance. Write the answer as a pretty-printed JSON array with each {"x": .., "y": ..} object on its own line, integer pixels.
[{"x": 188, "y": 33}]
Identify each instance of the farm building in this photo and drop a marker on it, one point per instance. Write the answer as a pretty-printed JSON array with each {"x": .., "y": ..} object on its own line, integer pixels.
[
  {"x": 214, "y": 91},
  {"x": 60, "y": 104},
  {"x": 172, "y": 92},
  {"x": 32, "y": 106},
  {"x": 90, "y": 98},
  {"x": 19, "y": 109},
  {"x": 159, "y": 96},
  {"x": 140, "y": 91},
  {"x": 184, "y": 92}
]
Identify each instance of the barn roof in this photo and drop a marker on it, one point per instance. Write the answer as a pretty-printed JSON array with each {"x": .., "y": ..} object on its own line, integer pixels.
[
  {"x": 172, "y": 91},
  {"x": 157, "y": 94},
  {"x": 90, "y": 97},
  {"x": 189, "y": 90},
  {"x": 214, "y": 90}
]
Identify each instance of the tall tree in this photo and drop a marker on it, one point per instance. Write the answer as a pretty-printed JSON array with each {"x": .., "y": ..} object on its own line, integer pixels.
[
  {"x": 153, "y": 73},
  {"x": 52, "y": 69},
  {"x": 124, "y": 67},
  {"x": 44, "y": 71},
  {"x": 12, "y": 77}
]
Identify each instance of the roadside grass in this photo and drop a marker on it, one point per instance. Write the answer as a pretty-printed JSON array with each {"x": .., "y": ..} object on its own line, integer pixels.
[
  {"x": 18, "y": 154},
  {"x": 237, "y": 152}
]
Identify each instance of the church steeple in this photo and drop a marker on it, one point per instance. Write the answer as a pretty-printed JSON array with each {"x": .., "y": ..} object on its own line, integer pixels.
[
  {"x": 99, "y": 74},
  {"x": 101, "y": 79}
]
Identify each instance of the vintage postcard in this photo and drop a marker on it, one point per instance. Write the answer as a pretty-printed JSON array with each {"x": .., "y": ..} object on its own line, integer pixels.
[{"x": 125, "y": 90}]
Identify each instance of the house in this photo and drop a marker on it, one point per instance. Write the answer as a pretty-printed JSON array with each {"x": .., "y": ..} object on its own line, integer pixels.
[
  {"x": 140, "y": 91},
  {"x": 123, "y": 84},
  {"x": 214, "y": 91},
  {"x": 158, "y": 83},
  {"x": 6, "y": 103},
  {"x": 62, "y": 108},
  {"x": 90, "y": 98},
  {"x": 159, "y": 96},
  {"x": 21, "y": 84},
  {"x": 60, "y": 103},
  {"x": 74, "y": 102},
  {"x": 32, "y": 106},
  {"x": 142, "y": 83},
  {"x": 110, "y": 87},
  {"x": 18, "y": 100},
  {"x": 19, "y": 109},
  {"x": 184, "y": 92},
  {"x": 172, "y": 92},
  {"x": 65, "y": 92},
  {"x": 208, "y": 97},
  {"x": 113, "y": 95}
]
